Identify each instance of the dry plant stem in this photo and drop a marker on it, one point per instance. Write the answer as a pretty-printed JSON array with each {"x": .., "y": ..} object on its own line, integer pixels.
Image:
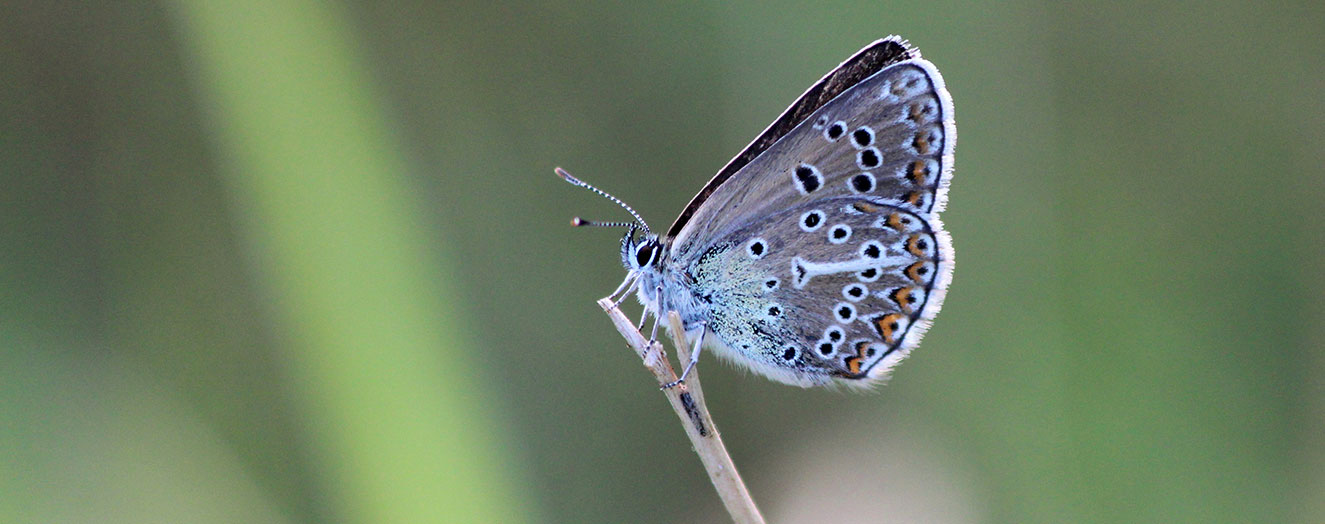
[{"x": 687, "y": 401}]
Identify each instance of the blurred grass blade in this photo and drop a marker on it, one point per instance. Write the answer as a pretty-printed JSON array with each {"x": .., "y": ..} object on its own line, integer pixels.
[{"x": 397, "y": 422}]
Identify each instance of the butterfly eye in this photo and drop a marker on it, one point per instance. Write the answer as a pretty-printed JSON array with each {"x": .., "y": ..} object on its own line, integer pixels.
[{"x": 644, "y": 254}]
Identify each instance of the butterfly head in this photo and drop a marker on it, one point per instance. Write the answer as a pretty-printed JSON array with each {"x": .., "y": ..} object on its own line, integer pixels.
[{"x": 643, "y": 251}]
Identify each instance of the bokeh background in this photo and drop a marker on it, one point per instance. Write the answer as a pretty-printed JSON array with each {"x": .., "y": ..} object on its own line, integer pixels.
[{"x": 294, "y": 261}]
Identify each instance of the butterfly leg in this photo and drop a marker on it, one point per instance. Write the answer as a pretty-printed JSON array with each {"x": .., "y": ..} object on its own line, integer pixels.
[
  {"x": 657, "y": 318},
  {"x": 694, "y": 357},
  {"x": 643, "y": 316},
  {"x": 624, "y": 289}
]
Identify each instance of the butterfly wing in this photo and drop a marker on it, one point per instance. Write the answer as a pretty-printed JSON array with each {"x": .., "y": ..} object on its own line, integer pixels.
[
  {"x": 866, "y": 62},
  {"x": 890, "y": 135},
  {"x": 842, "y": 207},
  {"x": 841, "y": 287}
]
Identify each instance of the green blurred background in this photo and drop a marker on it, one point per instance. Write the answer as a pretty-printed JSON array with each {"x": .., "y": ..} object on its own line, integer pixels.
[{"x": 296, "y": 261}]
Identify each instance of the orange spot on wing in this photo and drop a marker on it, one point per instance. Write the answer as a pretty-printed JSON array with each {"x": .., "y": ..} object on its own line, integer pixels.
[
  {"x": 887, "y": 326},
  {"x": 917, "y": 272},
  {"x": 916, "y": 110},
  {"x": 894, "y": 221},
  {"x": 921, "y": 143},
  {"x": 865, "y": 207},
  {"x": 913, "y": 247},
  {"x": 853, "y": 365},
  {"x": 919, "y": 173},
  {"x": 904, "y": 297}
]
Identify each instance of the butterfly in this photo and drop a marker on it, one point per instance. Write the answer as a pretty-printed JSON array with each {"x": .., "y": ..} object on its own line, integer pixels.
[{"x": 816, "y": 255}]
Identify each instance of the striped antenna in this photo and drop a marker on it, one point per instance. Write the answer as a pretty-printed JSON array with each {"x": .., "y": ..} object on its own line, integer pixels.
[{"x": 577, "y": 221}]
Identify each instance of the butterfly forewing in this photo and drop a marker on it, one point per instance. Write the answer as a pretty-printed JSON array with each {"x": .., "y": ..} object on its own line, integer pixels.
[
  {"x": 865, "y": 63},
  {"x": 889, "y": 136}
]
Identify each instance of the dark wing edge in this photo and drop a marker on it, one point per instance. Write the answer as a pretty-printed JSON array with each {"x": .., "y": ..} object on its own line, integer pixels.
[
  {"x": 944, "y": 262},
  {"x": 865, "y": 63}
]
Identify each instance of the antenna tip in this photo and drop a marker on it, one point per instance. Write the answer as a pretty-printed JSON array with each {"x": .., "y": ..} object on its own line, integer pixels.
[
  {"x": 566, "y": 176},
  {"x": 576, "y": 222}
]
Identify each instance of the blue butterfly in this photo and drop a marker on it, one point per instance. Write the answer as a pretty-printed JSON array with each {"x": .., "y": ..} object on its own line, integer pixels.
[{"x": 816, "y": 255}]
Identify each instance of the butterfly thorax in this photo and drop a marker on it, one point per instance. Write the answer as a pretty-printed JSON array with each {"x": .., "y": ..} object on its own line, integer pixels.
[{"x": 662, "y": 286}]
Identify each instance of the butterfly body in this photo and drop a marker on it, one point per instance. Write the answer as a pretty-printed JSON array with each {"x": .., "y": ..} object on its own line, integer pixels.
[{"x": 817, "y": 254}]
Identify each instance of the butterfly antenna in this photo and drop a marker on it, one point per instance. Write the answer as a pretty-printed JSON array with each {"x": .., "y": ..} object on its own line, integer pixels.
[
  {"x": 577, "y": 221},
  {"x": 581, "y": 222}
]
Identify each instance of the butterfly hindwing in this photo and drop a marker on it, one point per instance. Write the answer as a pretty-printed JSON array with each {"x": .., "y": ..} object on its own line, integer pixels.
[{"x": 829, "y": 288}]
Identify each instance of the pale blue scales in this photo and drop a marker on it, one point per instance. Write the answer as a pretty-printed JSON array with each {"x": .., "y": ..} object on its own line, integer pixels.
[{"x": 817, "y": 254}]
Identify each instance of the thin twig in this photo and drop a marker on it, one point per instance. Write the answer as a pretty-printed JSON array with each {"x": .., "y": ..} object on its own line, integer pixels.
[{"x": 687, "y": 401}]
